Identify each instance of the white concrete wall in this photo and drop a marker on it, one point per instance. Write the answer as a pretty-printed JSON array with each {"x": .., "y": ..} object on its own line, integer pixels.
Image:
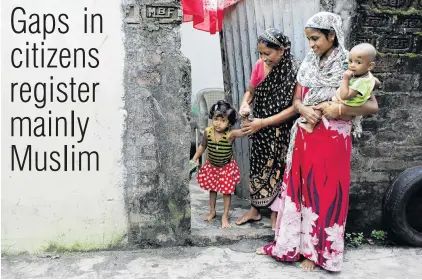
[
  {"x": 203, "y": 51},
  {"x": 72, "y": 209}
]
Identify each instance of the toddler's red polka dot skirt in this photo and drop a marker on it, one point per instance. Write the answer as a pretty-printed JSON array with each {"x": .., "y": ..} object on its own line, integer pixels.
[{"x": 219, "y": 179}]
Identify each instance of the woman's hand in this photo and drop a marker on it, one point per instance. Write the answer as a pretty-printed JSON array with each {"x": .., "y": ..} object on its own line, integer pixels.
[
  {"x": 309, "y": 114},
  {"x": 245, "y": 109},
  {"x": 321, "y": 106},
  {"x": 252, "y": 127},
  {"x": 331, "y": 110}
]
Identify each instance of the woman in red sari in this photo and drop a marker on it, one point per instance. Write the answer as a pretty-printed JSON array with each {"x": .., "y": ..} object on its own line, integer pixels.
[{"x": 315, "y": 191}]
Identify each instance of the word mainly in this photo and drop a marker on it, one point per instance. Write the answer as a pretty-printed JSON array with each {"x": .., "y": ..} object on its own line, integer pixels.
[{"x": 72, "y": 126}]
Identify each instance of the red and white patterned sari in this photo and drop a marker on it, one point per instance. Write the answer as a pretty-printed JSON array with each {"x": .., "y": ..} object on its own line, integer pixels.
[{"x": 315, "y": 197}]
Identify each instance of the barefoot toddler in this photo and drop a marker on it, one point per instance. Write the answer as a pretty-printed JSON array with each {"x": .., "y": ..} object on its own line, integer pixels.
[{"x": 220, "y": 172}]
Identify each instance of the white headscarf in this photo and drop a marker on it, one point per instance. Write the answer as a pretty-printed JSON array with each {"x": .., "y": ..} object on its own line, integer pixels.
[{"x": 323, "y": 81}]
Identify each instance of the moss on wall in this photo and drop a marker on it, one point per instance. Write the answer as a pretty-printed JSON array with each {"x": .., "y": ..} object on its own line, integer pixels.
[{"x": 409, "y": 12}]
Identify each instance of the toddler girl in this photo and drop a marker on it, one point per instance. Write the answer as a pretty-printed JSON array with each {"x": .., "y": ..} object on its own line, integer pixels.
[{"x": 220, "y": 172}]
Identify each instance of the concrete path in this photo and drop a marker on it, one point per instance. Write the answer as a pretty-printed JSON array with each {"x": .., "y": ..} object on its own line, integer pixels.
[
  {"x": 211, "y": 233},
  {"x": 231, "y": 261},
  {"x": 230, "y": 256}
]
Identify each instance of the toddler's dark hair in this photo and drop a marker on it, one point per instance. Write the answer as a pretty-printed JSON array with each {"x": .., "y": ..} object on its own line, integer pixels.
[{"x": 223, "y": 108}]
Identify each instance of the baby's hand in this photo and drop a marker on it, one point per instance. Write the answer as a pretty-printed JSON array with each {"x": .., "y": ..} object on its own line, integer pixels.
[{"x": 347, "y": 74}]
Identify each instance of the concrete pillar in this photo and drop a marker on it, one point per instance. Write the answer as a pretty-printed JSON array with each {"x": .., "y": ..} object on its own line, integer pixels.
[{"x": 157, "y": 136}]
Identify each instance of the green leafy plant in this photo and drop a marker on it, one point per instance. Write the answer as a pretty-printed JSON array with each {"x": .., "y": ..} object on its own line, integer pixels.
[
  {"x": 379, "y": 234},
  {"x": 355, "y": 239}
]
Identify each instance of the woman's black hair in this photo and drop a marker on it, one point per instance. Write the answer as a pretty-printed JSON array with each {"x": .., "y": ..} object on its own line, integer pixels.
[
  {"x": 223, "y": 108},
  {"x": 326, "y": 32},
  {"x": 269, "y": 44},
  {"x": 274, "y": 39}
]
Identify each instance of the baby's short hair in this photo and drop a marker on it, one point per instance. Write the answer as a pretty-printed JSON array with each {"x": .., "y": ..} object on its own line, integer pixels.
[
  {"x": 368, "y": 49},
  {"x": 223, "y": 108}
]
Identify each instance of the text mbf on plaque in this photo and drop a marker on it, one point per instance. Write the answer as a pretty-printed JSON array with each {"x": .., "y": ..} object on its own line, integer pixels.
[
  {"x": 161, "y": 12},
  {"x": 155, "y": 13}
]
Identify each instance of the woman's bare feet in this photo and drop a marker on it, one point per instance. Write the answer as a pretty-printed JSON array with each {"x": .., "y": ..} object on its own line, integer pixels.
[
  {"x": 273, "y": 220},
  {"x": 210, "y": 217},
  {"x": 225, "y": 221},
  {"x": 260, "y": 251},
  {"x": 307, "y": 265},
  {"x": 251, "y": 216}
]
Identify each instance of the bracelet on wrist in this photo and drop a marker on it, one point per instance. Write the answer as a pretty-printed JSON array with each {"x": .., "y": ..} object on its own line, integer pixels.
[{"x": 297, "y": 108}]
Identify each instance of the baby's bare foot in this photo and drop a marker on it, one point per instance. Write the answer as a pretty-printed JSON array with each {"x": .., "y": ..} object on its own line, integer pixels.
[
  {"x": 225, "y": 221},
  {"x": 210, "y": 217}
]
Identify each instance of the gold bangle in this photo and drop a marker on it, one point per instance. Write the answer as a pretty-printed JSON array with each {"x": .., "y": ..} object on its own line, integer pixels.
[
  {"x": 339, "y": 109},
  {"x": 262, "y": 123}
]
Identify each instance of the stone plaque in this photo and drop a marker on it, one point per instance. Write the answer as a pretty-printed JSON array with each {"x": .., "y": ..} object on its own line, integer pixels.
[
  {"x": 364, "y": 39},
  {"x": 409, "y": 22},
  {"x": 152, "y": 13},
  {"x": 397, "y": 44},
  {"x": 376, "y": 21},
  {"x": 163, "y": 13},
  {"x": 395, "y": 4},
  {"x": 132, "y": 14}
]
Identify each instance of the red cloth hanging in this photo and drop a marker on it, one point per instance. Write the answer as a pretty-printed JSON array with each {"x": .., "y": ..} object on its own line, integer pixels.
[{"x": 207, "y": 15}]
